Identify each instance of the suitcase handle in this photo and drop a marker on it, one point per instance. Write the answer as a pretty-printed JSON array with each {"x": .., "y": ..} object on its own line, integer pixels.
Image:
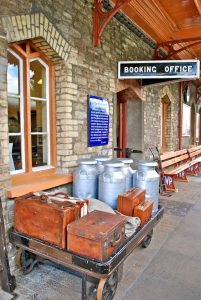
[
  {"x": 65, "y": 196},
  {"x": 116, "y": 242}
]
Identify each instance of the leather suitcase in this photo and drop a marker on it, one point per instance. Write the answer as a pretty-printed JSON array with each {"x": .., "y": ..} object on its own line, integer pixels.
[
  {"x": 96, "y": 235},
  {"x": 44, "y": 219},
  {"x": 82, "y": 203},
  {"x": 130, "y": 199},
  {"x": 144, "y": 211}
]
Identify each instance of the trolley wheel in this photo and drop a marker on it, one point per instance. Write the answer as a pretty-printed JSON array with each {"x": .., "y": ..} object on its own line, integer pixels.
[
  {"x": 25, "y": 260},
  {"x": 147, "y": 240},
  {"x": 107, "y": 287},
  {"x": 92, "y": 295}
]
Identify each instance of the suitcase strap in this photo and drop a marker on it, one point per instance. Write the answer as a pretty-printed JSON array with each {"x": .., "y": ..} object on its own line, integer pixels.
[{"x": 46, "y": 199}]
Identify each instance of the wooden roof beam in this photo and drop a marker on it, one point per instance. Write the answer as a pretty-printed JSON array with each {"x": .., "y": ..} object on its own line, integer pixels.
[
  {"x": 198, "y": 5},
  {"x": 102, "y": 18}
]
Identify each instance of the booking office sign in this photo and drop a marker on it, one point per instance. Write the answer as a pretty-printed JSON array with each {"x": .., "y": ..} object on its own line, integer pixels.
[{"x": 189, "y": 69}]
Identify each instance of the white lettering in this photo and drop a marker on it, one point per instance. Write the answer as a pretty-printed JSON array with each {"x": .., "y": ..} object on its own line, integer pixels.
[{"x": 166, "y": 69}]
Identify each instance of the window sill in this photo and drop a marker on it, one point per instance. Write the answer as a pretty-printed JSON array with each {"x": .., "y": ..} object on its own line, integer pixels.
[{"x": 37, "y": 183}]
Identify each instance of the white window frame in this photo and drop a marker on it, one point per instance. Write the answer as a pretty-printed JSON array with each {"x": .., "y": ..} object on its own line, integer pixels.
[
  {"x": 47, "y": 99},
  {"x": 21, "y": 97}
]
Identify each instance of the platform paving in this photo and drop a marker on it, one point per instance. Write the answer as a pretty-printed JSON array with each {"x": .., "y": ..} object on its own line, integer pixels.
[{"x": 170, "y": 268}]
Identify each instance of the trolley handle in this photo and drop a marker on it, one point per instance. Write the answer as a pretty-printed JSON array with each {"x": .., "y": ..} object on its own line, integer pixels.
[{"x": 127, "y": 151}]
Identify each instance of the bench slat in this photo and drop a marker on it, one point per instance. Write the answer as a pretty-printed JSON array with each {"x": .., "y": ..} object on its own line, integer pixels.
[
  {"x": 178, "y": 170},
  {"x": 172, "y": 154},
  {"x": 190, "y": 150},
  {"x": 192, "y": 154},
  {"x": 174, "y": 161}
]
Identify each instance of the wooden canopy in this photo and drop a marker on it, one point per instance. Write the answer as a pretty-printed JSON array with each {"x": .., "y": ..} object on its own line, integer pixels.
[{"x": 174, "y": 25}]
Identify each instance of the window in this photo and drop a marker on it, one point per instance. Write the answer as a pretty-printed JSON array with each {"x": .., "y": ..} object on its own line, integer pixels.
[
  {"x": 197, "y": 127},
  {"x": 30, "y": 109},
  {"x": 186, "y": 120}
]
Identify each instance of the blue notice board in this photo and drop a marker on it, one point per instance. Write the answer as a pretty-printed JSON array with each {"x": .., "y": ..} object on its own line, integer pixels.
[{"x": 98, "y": 121}]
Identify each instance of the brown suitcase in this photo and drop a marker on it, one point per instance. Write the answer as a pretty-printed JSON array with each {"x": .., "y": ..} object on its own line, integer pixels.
[
  {"x": 130, "y": 199},
  {"x": 96, "y": 235},
  {"x": 44, "y": 219},
  {"x": 144, "y": 211}
]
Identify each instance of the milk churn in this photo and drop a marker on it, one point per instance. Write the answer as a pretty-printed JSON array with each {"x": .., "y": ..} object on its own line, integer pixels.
[
  {"x": 148, "y": 178},
  {"x": 100, "y": 162},
  {"x": 128, "y": 172},
  {"x": 85, "y": 179},
  {"x": 111, "y": 183},
  {"x": 134, "y": 178}
]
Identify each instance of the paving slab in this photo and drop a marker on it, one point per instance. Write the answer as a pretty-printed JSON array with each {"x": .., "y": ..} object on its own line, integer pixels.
[
  {"x": 5, "y": 296},
  {"x": 176, "y": 267},
  {"x": 185, "y": 243},
  {"x": 150, "y": 287}
]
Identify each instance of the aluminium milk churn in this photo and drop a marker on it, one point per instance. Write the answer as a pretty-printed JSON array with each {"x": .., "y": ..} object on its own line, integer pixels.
[
  {"x": 148, "y": 179},
  {"x": 101, "y": 159},
  {"x": 134, "y": 178},
  {"x": 85, "y": 179},
  {"x": 128, "y": 172},
  {"x": 111, "y": 183}
]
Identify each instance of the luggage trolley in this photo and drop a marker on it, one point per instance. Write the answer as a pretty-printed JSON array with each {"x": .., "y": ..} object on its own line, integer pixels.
[{"x": 103, "y": 276}]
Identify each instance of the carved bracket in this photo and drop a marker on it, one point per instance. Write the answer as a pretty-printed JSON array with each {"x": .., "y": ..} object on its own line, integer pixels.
[
  {"x": 102, "y": 18},
  {"x": 169, "y": 50}
]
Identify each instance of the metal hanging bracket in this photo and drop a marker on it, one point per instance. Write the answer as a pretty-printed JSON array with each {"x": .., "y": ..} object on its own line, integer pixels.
[
  {"x": 169, "y": 50},
  {"x": 102, "y": 18}
]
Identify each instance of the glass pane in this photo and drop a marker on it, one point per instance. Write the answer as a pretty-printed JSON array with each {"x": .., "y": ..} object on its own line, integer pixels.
[
  {"x": 37, "y": 79},
  {"x": 13, "y": 75},
  {"x": 13, "y": 114},
  {"x": 39, "y": 150},
  {"x": 15, "y": 153},
  {"x": 38, "y": 116}
]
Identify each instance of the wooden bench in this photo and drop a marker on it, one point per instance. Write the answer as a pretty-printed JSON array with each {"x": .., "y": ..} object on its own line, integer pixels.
[
  {"x": 194, "y": 160},
  {"x": 174, "y": 165}
]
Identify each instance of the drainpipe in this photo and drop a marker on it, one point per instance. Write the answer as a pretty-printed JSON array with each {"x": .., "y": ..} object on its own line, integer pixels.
[{"x": 180, "y": 113}]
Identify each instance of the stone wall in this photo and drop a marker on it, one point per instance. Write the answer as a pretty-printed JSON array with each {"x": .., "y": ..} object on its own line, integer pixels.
[
  {"x": 152, "y": 117},
  {"x": 82, "y": 69}
]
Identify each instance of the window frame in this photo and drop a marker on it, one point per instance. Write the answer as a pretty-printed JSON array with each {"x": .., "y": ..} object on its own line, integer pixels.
[
  {"x": 47, "y": 100},
  {"x": 21, "y": 97},
  {"x": 26, "y": 57}
]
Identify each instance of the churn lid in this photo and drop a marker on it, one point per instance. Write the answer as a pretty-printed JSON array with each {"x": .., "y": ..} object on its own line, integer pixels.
[
  {"x": 113, "y": 163},
  {"x": 87, "y": 161},
  {"x": 148, "y": 163},
  {"x": 101, "y": 158},
  {"x": 125, "y": 160}
]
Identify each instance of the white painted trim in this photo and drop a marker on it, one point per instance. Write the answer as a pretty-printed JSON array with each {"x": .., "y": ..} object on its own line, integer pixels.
[
  {"x": 48, "y": 114},
  {"x": 13, "y": 95},
  {"x": 41, "y": 168},
  {"x": 21, "y": 96},
  {"x": 15, "y": 134},
  {"x": 39, "y": 133},
  {"x": 40, "y": 99}
]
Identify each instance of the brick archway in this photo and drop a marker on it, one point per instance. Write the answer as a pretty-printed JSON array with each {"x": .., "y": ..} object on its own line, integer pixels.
[
  {"x": 36, "y": 26},
  {"x": 166, "y": 118}
]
